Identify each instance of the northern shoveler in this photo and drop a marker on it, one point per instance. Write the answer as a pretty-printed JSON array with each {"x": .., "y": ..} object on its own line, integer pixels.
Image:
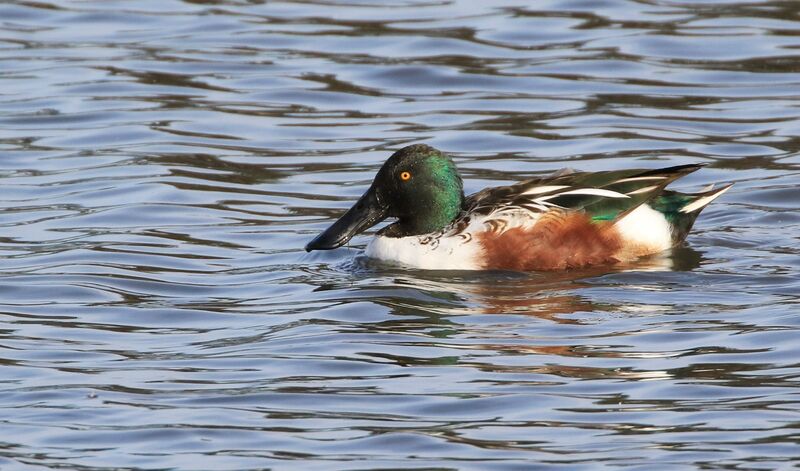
[{"x": 566, "y": 220}]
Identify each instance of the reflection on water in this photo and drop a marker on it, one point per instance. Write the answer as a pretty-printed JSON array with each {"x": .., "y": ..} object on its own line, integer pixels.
[{"x": 163, "y": 165}]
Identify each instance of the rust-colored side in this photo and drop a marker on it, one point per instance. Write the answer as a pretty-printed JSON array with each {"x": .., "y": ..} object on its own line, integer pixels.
[{"x": 557, "y": 241}]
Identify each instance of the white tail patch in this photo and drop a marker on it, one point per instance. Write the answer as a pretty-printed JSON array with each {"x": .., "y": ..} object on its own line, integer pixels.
[
  {"x": 645, "y": 230},
  {"x": 702, "y": 202},
  {"x": 538, "y": 190}
]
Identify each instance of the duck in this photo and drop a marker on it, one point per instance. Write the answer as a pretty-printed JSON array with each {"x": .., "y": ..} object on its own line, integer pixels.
[{"x": 567, "y": 220}]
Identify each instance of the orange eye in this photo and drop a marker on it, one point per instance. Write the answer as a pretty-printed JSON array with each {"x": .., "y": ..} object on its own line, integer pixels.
[{"x": 405, "y": 176}]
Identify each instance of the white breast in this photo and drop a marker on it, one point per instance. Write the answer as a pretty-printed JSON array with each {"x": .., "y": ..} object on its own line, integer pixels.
[
  {"x": 461, "y": 251},
  {"x": 445, "y": 253}
]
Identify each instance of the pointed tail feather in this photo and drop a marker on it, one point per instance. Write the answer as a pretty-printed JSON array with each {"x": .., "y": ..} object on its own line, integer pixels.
[
  {"x": 643, "y": 187},
  {"x": 681, "y": 209},
  {"x": 705, "y": 198}
]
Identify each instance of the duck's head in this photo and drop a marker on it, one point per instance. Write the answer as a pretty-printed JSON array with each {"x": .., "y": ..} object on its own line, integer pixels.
[{"x": 418, "y": 185}]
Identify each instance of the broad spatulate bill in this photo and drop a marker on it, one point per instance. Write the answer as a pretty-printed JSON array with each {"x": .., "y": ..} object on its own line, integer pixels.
[{"x": 567, "y": 220}]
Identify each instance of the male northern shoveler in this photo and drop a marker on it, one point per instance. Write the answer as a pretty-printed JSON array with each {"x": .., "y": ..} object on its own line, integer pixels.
[{"x": 567, "y": 220}]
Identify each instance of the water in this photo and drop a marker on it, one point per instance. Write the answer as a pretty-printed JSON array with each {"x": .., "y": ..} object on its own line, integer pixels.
[{"x": 163, "y": 163}]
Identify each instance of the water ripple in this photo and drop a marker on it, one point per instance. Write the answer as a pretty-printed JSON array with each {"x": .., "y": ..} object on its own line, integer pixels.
[{"x": 163, "y": 165}]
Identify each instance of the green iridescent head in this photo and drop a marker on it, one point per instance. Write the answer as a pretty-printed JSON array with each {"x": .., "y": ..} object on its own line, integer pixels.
[{"x": 418, "y": 185}]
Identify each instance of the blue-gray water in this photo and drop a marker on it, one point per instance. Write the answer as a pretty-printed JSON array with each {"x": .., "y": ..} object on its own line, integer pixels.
[{"x": 162, "y": 164}]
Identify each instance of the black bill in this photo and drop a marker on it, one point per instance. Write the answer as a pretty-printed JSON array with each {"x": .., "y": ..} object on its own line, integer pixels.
[{"x": 368, "y": 211}]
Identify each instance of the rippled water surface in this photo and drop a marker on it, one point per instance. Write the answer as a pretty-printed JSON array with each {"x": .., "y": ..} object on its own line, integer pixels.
[{"x": 162, "y": 164}]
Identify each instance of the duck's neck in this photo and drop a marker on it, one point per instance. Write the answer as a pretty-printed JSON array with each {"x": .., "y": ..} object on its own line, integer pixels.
[{"x": 440, "y": 210}]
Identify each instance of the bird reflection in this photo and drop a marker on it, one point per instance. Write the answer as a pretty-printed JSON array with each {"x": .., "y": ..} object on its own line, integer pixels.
[
  {"x": 444, "y": 311},
  {"x": 552, "y": 296}
]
